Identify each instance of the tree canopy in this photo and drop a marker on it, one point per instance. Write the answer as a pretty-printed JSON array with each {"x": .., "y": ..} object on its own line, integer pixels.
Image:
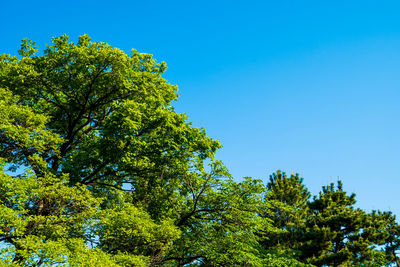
[{"x": 97, "y": 169}]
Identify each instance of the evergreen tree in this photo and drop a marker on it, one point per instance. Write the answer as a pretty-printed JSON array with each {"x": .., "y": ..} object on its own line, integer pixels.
[
  {"x": 334, "y": 232},
  {"x": 384, "y": 231},
  {"x": 288, "y": 198}
]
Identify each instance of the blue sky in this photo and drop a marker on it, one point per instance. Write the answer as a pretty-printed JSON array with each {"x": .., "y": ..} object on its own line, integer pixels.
[{"x": 304, "y": 86}]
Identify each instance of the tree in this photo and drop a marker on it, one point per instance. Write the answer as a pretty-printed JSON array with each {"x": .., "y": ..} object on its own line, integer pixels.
[
  {"x": 99, "y": 170},
  {"x": 336, "y": 232},
  {"x": 86, "y": 120},
  {"x": 288, "y": 199},
  {"x": 384, "y": 231}
]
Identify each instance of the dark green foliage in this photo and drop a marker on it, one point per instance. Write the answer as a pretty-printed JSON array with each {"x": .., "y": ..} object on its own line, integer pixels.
[
  {"x": 338, "y": 234},
  {"x": 327, "y": 230},
  {"x": 384, "y": 231},
  {"x": 288, "y": 198},
  {"x": 333, "y": 229}
]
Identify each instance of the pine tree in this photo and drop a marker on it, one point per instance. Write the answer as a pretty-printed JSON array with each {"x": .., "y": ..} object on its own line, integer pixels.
[
  {"x": 288, "y": 198},
  {"x": 334, "y": 232},
  {"x": 384, "y": 231}
]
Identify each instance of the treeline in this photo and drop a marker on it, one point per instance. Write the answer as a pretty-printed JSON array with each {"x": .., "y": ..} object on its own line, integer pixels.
[{"x": 97, "y": 169}]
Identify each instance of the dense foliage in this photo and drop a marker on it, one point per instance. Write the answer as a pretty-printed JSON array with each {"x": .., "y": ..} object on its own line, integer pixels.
[{"x": 97, "y": 169}]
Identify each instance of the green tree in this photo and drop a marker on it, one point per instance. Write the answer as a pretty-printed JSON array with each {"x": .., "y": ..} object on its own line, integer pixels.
[
  {"x": 84, "y": 125},
  {"x": 287, "y": 199},
  {"x": 335, "y": 232},
  {"x": 99, "y": 170},
  {"x": 328, "y": 230},
  {"x": 384, "y": 231}
]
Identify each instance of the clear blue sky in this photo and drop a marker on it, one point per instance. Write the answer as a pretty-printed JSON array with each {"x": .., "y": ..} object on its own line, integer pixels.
[{"x": 304, "y": 86}]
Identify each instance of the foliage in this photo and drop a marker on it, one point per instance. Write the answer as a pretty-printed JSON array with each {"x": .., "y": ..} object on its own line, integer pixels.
[
  {"x": 337, "y": 233},
  {"x": 288, "y": 199},
  {"x": 97, "y": 169}
]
